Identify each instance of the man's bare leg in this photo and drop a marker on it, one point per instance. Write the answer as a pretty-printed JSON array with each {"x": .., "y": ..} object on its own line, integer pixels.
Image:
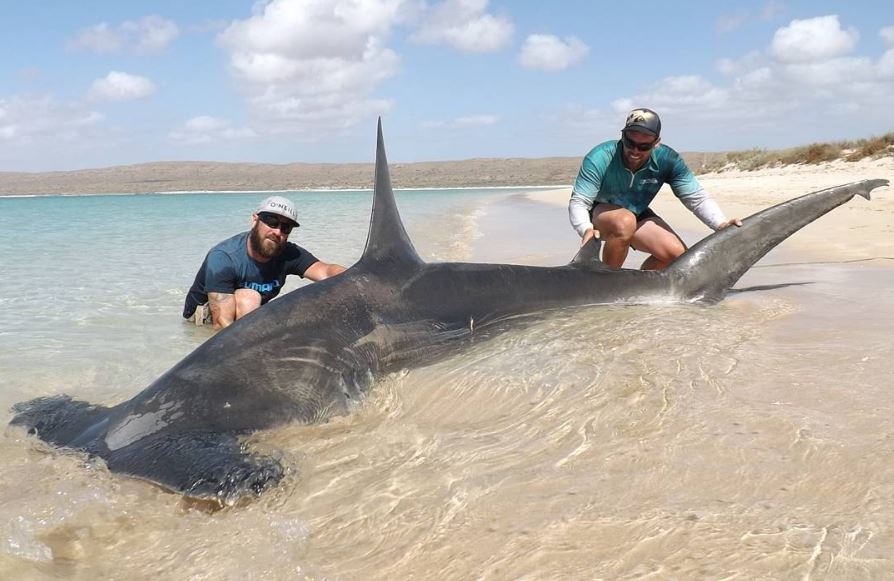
[
  {"x": 247, "y": 300},
  {"x": 617, "y": 227},
  {"x": 657, "y": 238}
]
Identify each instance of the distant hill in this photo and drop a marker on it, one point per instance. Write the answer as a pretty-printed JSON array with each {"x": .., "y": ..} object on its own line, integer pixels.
[
  {"x": 484, "y": 172},
  {"x": 214, "y": 176}
]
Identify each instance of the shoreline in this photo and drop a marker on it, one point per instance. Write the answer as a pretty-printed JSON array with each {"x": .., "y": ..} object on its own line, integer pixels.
[
  {"x": 859, "y": 230},
  {"x": 271, "y": 192},
  {"x": 219, "y": 177}
]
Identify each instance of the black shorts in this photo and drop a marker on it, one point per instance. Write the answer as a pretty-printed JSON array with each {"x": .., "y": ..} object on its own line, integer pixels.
[{"x": 644, "y": 215}]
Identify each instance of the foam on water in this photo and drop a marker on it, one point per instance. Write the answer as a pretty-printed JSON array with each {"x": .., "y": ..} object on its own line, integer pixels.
[{"x": 749, "y": 439}]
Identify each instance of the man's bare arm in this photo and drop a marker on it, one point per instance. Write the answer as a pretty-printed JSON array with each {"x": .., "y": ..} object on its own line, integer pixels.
[
  {"x": 223, "y": 309},
  {"x": 320, "y": 270}
]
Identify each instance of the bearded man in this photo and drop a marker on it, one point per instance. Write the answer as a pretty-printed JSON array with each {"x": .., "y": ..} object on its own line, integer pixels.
[{"x": 244, "y": 272}]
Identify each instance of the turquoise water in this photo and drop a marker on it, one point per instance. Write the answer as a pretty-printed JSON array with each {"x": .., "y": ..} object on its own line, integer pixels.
[
  {"x": 92, "y": 286},
  {"x": 749, "y": 439}
]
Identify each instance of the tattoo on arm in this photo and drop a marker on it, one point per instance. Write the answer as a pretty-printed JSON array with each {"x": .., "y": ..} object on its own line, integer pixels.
[{"x": 223, "y": 309}]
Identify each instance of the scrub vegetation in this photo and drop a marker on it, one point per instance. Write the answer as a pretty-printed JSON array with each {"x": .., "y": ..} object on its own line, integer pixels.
[{"x": 849, "y": 151}]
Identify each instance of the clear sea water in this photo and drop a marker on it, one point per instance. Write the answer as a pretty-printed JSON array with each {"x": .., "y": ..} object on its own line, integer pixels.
[
  {"x": 87, "y": 279},
  {"x": 753, "y": 439}
]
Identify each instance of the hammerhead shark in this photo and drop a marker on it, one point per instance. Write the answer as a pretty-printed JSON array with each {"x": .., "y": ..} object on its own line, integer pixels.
[{"x": 314, "y": 352}]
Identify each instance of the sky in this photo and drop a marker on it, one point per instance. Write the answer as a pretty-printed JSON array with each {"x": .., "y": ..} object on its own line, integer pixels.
[{"x": 102, "y": 82}]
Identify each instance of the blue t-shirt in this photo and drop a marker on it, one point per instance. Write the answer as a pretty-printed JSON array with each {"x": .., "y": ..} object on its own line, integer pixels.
[
  {"x": 228, "y": 267},
  {"x": 604, "y": 178}
]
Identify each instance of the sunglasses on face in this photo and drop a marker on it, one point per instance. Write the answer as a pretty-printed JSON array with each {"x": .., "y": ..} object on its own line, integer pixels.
[
  {"x": 276, "y": 223},
  {"x": 631, "y": 144}
]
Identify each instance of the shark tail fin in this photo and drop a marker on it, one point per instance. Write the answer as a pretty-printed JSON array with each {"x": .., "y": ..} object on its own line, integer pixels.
[
  {"x": 204, "y": 466},
  {"x": 388, "y": 240},
  {"x": 711, "y": 267}
]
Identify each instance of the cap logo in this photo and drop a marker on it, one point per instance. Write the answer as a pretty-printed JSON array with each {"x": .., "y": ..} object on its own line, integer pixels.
[
  {"x": 637, "y": 116},
  {"x": 279, "y": 205}
]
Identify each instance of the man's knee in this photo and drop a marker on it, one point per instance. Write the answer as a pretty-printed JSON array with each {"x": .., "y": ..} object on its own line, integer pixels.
[
  {"x": 247, "y": 300},
  {"x": 618, "y": 223}
]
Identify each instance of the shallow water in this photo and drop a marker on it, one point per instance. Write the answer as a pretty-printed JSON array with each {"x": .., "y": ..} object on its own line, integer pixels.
[{"x": 750, "y": 439}]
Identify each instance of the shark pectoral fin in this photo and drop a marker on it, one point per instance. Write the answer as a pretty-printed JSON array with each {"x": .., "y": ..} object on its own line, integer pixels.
[
  {"x": 59, "y": 420},
  {"x": 210, "y": 466},
  {"x": 588, "y": 256}
]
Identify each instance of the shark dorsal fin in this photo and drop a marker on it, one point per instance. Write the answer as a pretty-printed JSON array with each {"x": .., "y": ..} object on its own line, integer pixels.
[{"x": 388, "y": 240}]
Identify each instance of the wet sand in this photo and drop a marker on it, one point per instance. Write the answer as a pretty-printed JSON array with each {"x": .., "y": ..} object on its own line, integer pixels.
[{"x": 749, "y": 439}]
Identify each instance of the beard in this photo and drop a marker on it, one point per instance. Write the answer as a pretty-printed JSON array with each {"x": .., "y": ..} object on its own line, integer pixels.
[{"x": 266, "y": 247}]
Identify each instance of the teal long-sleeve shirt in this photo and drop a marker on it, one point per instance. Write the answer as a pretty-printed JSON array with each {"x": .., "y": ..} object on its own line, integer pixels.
[{"x": 604, "y": 178}]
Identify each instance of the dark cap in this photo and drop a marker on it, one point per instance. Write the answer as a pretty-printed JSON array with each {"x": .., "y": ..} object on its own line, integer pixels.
[{"x": 645, "y": 121}]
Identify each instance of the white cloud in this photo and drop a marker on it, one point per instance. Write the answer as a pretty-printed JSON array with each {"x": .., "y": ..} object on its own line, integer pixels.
[
  {"x": 690, "y": 92},
  {"x": 549, "y": 53},
  {"x": 148, "y": 35},
  {"x": 730, "y": 22},
  {"x": 814, "y": 39},
  {"x": 830, "y": 73},
  {"x": 830, "y": 92},
  {"x": 729, "y": 66},
  {"x": 771, "y": 10},
  {"x": 465, "y": 25},
  {"x": 29, "y": 119},
  {"x": 99, "y": 38},
  {"x": 307, "y": 65},
  {"x": 206, "y": 129},
  {"x": 756, "y": 79},
  {"x": 118, "y": 86},
  {"x": 886, "y": 63},
  {"x": 461, "y": 122},
  {"x": 476, "y": 120},
  {"x": 887, "y": 34},
  {"x": 151, "y": 34}
]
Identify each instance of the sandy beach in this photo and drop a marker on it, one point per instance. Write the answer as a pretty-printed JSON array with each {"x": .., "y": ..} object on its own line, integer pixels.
[
  {"x": 747, "y": 439},
  {"x": 861, "y": 229}
]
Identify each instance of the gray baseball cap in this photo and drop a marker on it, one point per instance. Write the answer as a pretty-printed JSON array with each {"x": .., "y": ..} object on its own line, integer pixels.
[
  {"x": 279, "y": 206},
  {"x": 643, "y": 120}
]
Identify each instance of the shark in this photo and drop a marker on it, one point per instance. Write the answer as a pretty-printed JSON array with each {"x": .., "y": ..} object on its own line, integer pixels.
[{"x": 315, "y": 352}]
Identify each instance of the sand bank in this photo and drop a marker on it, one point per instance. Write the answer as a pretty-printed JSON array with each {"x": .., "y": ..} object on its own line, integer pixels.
[{"x": 859, "y": 230}]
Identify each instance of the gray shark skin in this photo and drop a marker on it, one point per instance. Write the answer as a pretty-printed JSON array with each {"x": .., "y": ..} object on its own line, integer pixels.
[{"x": 314, "y": 352}]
